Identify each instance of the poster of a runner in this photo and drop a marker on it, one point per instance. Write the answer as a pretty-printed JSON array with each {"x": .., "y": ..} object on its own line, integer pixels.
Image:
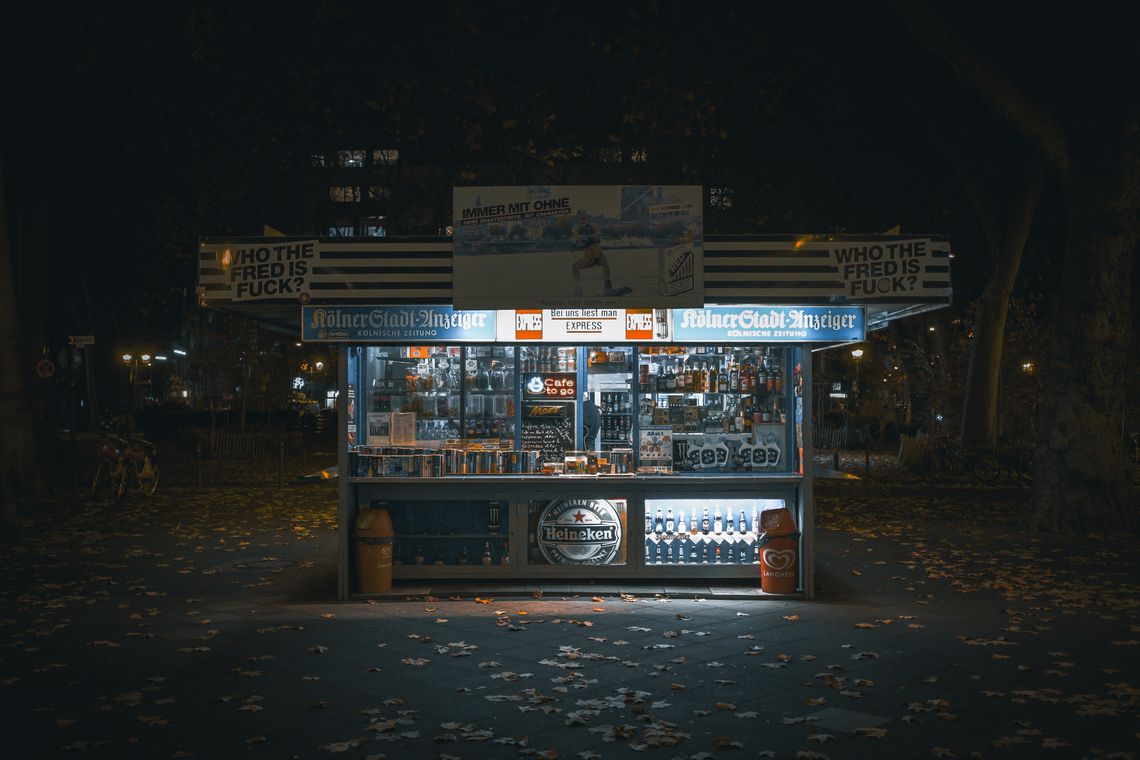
[{"x": 577, "y": 246}]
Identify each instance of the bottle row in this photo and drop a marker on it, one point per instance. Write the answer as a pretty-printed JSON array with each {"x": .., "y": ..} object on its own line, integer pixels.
[
  {"x": 550, "y": 359},
  {"x": 714, "y": 373},
  {"x": 690, "y": 552},
  {"x": 719, "y": 523},
  {"x": 496, "y": 552}
]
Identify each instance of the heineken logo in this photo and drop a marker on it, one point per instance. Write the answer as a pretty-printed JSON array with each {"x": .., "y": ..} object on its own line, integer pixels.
[{"x": 579, "y": 532}]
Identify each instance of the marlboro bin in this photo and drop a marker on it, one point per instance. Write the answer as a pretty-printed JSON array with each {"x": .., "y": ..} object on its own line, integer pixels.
[
  {"x": 779, "y": 552},
  {"x": 373, "y": 533}
]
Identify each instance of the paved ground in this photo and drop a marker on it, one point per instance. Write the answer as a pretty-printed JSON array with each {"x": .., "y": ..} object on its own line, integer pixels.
[{"x": 200, "y": 624}]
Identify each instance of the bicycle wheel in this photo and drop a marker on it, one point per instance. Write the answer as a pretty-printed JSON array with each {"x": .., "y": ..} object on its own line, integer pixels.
[
  {"x": 100, "y": 478},
  {"x": 984, "y": 467},
  {"x": 126, "y": 477},
  {"x": 148, "y": 478}
]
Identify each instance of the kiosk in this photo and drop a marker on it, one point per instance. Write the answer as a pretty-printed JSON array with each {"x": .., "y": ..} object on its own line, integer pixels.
[{"x": 466, "y": 425}]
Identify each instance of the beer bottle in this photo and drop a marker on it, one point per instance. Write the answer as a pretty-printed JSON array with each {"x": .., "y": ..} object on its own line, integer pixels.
[
  {"x": 505, "y": 557},
  {"x": 669, "y": 522},
  {"x": 486, "y": 552},
  {"x": 718, "y": 522},
  {"x": 705, "y": 522},
  {"x": 729, "y": 528},
  {"x": 712, "y": 383},
  {"x": 658, "y": 524}
]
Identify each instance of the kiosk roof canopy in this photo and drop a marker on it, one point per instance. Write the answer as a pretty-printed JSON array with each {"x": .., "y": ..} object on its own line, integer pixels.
[{"x": 271, "y": 277}]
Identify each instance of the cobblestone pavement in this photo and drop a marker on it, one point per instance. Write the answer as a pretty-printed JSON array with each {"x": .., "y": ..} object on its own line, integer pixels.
[{"x": 202, "y": 624}]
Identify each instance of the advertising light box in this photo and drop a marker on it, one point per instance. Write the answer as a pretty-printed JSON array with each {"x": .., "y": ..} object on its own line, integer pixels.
[
  {"x": 583, "y": 326},
  {"x": 412, "y": 324},
  {"x": 769, "y": 324}
]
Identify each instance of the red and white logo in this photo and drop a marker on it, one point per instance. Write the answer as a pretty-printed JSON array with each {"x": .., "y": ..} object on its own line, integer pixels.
[{"x": 779, "y": 559}]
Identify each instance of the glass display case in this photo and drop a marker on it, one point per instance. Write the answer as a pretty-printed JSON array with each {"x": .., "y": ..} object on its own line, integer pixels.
[
  {"x": 609, "y": 377},
  {"x": 704, "y": 531},
  {"x": 726, "y": 406},
  {"x": 448, "y": 533},
  {"x": 490, "y": 380},
  {"x": 424, "y": 381}
]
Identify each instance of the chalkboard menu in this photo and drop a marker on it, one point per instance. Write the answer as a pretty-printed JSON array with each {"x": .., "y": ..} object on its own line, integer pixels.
[{"x": 548, "y": 426}]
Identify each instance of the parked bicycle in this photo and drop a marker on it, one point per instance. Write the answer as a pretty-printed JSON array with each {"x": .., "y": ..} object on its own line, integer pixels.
[{"x": 126, "y": 463}]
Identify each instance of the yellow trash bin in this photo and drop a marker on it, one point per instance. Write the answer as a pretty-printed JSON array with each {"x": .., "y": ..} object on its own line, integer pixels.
[{"x": 373, "y": 543}]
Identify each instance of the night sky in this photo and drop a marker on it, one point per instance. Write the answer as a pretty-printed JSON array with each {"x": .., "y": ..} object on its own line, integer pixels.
[{"x": 134, "y": 132}]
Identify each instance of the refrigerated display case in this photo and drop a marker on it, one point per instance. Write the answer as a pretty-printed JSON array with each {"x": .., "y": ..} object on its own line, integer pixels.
[
  {"x": 609, "y": 382},
  {"x": 489, "y": 392}
]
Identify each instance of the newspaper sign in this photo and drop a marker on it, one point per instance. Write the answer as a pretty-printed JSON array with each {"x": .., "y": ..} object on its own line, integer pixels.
[{"x": 577, "y": 246}]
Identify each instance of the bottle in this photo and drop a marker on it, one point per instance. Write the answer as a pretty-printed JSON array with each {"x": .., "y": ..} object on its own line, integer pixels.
[
  {"x": 746, "y": 377},
  {"x": 722, "y": 382},
  {"x": 419, "y": 556},
  {"x": 658, "y": 524},
  {"x": 648, "y": 523},
  {"x": 729, "y": 528},
  {"x": 505, "y": 557},
  {"x": 730, "y": 556},
  {"x": 756, "y": 522},
  {"x": 734, "y": 378},
  {"x": 743, "y": 522},
  {"x": 682, "y": 527},
  {"x": 463, "y": 556},
  {"x": 486, "y": 552},
  {"x": 705, "y": 522},
  {"x": 718, "y": 522},
  {"x": 670, "y": 380},
  {"x": 669, "y": 522},
  {"x": 687, "y": 384},
  {"x": 692, "y": 552},
  {"x": 712, "y": 383}
]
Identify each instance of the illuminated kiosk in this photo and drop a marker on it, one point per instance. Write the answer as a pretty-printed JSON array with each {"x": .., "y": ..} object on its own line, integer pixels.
[{"x": 468, "y": 424}]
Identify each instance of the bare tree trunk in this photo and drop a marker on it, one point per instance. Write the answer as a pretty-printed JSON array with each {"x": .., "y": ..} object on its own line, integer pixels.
[
  {"x": 17, "y": 433},
  {"x": 1082, "y": 482},
  {"x": 979, "y": 407}
]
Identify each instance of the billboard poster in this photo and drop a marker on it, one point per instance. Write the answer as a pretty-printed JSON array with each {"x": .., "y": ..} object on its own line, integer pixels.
[
  {"x": 577, "y": 246},
  {"x": 880, "y": 269},
  {"x": 257, "y": 271}
]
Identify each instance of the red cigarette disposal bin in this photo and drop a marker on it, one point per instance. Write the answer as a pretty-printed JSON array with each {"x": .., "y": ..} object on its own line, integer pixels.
[
  {"x": 374, "y": 535},
  {"x": 779, "y": 552}
]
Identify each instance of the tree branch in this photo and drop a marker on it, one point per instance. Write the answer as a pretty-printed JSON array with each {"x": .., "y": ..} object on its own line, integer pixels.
[{"x": 994, "y": 88}]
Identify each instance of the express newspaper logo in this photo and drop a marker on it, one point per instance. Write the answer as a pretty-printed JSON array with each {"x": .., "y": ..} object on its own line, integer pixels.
[{"x": 579, "y": 532}]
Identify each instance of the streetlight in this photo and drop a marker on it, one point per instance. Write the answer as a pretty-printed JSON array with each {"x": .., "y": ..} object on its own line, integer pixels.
[{"x": 857, "y": 354}]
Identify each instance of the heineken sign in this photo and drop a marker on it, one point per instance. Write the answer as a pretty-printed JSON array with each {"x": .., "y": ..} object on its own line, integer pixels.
[{"x": 579, "y": 532}]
